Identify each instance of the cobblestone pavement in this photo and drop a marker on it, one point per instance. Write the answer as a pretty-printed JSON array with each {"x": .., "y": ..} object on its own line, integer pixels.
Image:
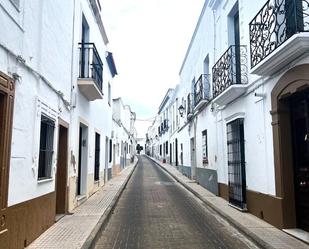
[
  {"x": 73, "y": 231},
  {"x": 155, "y": 212}
]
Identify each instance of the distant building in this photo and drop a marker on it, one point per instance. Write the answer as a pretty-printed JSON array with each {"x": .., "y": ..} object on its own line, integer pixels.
[{"x": 124, "y": 136}]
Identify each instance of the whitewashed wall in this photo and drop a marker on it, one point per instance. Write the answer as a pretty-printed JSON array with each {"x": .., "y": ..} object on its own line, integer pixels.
[
  {"x": 28, "y": 33},
  {"x": 49, "y": 67},
  {"x": 210, "y": 38}
]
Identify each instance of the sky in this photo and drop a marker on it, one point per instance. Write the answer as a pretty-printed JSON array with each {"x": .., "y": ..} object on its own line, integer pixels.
[{"x": 149, "y": 40}]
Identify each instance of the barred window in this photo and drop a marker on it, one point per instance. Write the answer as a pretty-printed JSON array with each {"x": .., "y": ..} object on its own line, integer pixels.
[
  {"x": 97, "y": 157},
  {"x": 109, "y": 94},
  {"x": 204, "y": 147},
  {"x": 110, "y": 150},
  {"x": 46, "y": 148}
]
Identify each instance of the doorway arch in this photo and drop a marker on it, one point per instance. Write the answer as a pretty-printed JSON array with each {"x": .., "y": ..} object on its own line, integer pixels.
[{"x": 293, "y": 83}]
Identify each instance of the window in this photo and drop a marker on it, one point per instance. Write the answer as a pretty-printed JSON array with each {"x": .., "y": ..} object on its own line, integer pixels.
[
  {"x": 166, "y": 147},
  {"x": 46, "y": 148},
  {"x": 205, "y": 147},
  {"x": 160, "y": 149},
  {"x": 97, "y": 157},
  {"x": 109, "y": 94}
]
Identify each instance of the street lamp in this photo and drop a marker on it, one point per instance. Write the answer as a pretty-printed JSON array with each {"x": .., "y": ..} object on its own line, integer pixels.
[{"x": 181, "y": 110}]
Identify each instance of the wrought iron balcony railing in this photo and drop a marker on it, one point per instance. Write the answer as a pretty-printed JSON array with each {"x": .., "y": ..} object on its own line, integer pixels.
[
  {"x": 90, "y": 64},
  {"x": 230, "y": 69},
  {"x": 165, "y": 125},
  {"x": 162, "y": 129},
  {"x": 202, "y": 89},
  {"x": 190, "y": 105},
  {"x": 276, "y": 22}
]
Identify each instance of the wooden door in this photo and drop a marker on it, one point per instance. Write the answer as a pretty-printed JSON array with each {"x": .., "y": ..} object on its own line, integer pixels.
[
  {"x": 6, "y": 118},
  {"x": 97, "y": 157},
  {"x": 62, "y": 169},
  {"x": 300, "y": 133}
]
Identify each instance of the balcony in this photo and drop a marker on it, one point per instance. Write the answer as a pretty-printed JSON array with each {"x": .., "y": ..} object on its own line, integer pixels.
[
  {"x": 230, "y": 75},
  {"x": 90, "y": 72},
  {"x": 165, "y": 125},
  {"x": 159, "y": 131},
  {"x": 278, "y": 35},
  {"x": 201, "y": 91},
  {"x": 190, "y": 106}
]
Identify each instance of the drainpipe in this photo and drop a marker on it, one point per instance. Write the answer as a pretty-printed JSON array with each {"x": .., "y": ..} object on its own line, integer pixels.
[
  {"x": 215, "y": 37},
  {"x": 215, "y": 111},
  {"x": 72, "y": 159}
]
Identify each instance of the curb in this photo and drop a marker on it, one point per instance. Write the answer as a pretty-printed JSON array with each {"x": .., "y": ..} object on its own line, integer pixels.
[
  {"x": 92, "y": 238},
  {"x": 257, "y": 240}
]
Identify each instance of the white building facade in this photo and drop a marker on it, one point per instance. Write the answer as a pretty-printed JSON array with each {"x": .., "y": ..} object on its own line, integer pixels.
[
  {"x": 56, "y": 112},
  {"x": 244, "y": 89},
  {"x": 123, "y": 136}
]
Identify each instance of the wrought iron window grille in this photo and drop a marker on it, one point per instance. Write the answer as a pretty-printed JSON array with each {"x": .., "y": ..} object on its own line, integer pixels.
[
  {"x": 236, "y": 163},
  {"x": 190, "y": 104},
  {"x": 275, "y": 23}
]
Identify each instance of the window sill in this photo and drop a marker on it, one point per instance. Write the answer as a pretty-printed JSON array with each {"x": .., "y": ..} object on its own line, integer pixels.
[{"x": 45, "y": 180}]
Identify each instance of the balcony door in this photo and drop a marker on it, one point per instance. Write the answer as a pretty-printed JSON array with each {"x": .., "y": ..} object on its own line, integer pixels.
[
  {"x": 234, "y": 40},
  {"x": 294, "y": 15},
  {"x": 85, "y": 60},
  {"x": 237, "y": 47}
]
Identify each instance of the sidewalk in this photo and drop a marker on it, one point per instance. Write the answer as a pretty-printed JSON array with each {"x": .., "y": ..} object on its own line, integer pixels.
[
  {"x": 79, "y": 230},
  {"x": 264, "y": 234}
]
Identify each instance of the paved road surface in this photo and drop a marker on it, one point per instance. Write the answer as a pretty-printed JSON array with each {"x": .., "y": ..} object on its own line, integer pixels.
[{"x": 155, "y": 212}]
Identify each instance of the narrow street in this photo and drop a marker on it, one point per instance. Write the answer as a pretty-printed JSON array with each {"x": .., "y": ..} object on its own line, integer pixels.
[{"x": 155, "y": 211}]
